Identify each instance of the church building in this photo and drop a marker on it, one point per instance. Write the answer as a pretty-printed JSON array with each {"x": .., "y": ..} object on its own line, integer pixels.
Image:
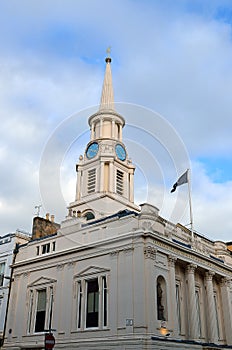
[{"x": 116, "y": 275}]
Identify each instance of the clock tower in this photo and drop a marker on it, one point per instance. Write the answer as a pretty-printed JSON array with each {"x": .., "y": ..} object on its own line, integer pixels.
[{"x": 105, "y": 174}]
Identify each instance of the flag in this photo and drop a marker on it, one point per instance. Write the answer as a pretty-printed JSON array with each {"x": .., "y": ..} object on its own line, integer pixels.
[{"x": 182, "y": 180}]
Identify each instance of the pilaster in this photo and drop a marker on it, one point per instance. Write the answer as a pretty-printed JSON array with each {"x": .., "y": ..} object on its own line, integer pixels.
[
  {"x": 212, "y": 317},
  {"x": 172, "y": 290},
  {"x": 190, "y": 271},
  {"x": 226, "y": 308}
]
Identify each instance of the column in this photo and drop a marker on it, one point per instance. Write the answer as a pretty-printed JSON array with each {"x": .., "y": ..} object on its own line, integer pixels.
[
  {"x": 92, "y": 131},
  {"x": 120, "y": 132},
  {"x": 111, "y": 177},
  {"x": 212, "y": 317},
  {"x": 131, "y": 188},
  {"x": 101, "y": 128},
  {"x": 226, "y": 308},
  {"x": 78, "y": 186},
  {"x": 172, "y": 313},
  {"x": 101, "y": 176},
  {"x": 192, "y": 309},
  {"x": 113, "y": 129}
]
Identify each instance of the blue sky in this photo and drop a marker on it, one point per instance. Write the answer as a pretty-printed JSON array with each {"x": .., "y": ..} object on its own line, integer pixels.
[{"x": 170, "y": 57}]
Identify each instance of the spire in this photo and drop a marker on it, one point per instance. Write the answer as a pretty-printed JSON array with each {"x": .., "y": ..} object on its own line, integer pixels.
[{"x": 107, "y": 97}]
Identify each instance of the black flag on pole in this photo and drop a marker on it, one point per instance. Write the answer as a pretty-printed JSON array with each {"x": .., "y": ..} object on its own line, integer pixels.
[{"x": 182, "y": 180}]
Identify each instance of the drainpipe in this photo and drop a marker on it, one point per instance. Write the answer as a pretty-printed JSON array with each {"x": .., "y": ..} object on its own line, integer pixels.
[{"x": 15, "y": 252}]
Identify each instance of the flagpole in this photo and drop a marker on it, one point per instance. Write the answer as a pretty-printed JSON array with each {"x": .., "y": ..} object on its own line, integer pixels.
[{"x": 190, "y": 204}]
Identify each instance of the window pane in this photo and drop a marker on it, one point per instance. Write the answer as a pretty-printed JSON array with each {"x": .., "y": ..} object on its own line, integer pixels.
[
  {"x": 92, "y": 303},
  {"x": 41, "y": 311},
  {"x": 104, "y": 301}
]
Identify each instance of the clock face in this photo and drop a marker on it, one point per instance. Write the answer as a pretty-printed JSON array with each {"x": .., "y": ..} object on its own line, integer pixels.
[
  {"x": 92, "y": 150},
  {"x": 120, "y": 152}
]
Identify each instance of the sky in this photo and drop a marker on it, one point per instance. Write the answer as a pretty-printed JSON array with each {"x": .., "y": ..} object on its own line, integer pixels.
[{"x": 172, "y": 77}]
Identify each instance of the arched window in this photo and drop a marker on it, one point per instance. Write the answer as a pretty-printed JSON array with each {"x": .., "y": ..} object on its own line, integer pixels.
[
  {"x": 161, "y": 296},
  {"x": 89, "y": 215}
]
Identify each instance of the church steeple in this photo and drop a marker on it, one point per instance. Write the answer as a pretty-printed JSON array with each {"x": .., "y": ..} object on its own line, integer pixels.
[
  {"x": 105, "y": 174},
  {"x": 107, "y": 97}
]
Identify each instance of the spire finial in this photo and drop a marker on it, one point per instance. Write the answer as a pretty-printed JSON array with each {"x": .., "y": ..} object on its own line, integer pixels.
[
  {"x": 108, "y": 51},
  {"x": 107, "y": 98}
]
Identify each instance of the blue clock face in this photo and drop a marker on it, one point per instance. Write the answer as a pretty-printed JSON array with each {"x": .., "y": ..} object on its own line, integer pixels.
[
  {"x": 120, "y": 152},
  {"x": 92, "y": 150}
]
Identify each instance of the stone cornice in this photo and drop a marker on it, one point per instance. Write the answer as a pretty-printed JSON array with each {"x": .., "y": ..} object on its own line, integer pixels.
[{"x": 191, "y": 257}]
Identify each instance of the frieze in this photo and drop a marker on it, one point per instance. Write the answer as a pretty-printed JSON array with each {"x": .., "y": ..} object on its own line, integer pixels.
[
  {"x": 208, "y": 265},
  {"x": 150, "y": 252},
  {"x": 107, "y": 148}
]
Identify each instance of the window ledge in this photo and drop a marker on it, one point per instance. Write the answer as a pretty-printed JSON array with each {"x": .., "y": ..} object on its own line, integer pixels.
[{"x": 90, "y": 330}]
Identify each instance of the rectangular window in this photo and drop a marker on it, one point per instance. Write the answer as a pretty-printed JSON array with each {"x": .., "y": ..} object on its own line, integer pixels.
[
  {"x": 178, "y": 307},
  {"x": 45, "y": 248},
  {"x": 119, "y": 182},
  {"x": 91, "y": 181},
  {"x": 198, "y": 313},
  {"x": 2, "y": 271},
  {"x": 40, "y": 311},
  {"x": 79, "y": 304},
  {"x": 92, "y": 303}
]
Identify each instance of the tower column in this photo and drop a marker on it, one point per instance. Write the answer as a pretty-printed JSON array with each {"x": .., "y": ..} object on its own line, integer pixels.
[
  {"x": 78, "y": 189},
  {"x": 226, "y": 308},
  {"x": 113, "y": 129},
  {"x": 111, "y": 177},
  {"x": 120, "y": 132},
  {"x": 212, "y": 317},
  {"x": 131, "y": 186},
  {"x": 192, "y": 301},
  {"x": 92, "y": 131},
  {"x": 101, "y": 176},
  {"x": 101, "y": 128}
]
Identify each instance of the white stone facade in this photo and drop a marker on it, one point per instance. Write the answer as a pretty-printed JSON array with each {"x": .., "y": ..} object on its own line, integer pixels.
[{"x": 127, "y": 257}]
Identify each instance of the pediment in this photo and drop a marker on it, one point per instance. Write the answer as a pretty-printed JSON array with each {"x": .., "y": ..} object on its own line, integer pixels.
[
  {"x": 42, "y": 281},
  {"x": 92, "y": 270}
]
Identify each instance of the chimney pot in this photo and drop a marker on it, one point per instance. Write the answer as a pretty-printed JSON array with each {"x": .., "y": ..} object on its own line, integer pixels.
[
  {"x": 47, "y": 216},
  {"x": 52, "y": 218}
]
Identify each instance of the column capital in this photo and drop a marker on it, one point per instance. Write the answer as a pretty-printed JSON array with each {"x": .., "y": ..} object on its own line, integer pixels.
[
  {"x": 190, "y": 268},
  {"x": 209, "y": 275},
  {"x": 225, "y": 282},
  {"x": 171, "y": 260}
]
